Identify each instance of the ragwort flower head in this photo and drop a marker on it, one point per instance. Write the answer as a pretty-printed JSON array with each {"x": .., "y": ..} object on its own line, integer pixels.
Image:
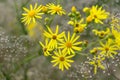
[
  {"x": 54, "y": 36},
  {"x": 46, "y": 48},
  {"x": 74, "y": 15},
  {"x": 62, "y": 59},
  {"x": 116, "y": 35},
  {"x": 55, "y": 9},
  {"x": 79, "y": 26},
  {"x": 97, "y": 14},
  {"x": 109, "y": 49},
  {"x": 69, "y": 44},
  {"x": 73, "y": 9},
  {"x": 44, "y": 9},
  {"x": 102, "y": 33},
  {"x": 97, "y": 63},
  {"x": 86, "y": 9},
  {"x": 32, "y": 14},
  {"x": 115, "y": 20},
  {"x": 94, "y": 51}
]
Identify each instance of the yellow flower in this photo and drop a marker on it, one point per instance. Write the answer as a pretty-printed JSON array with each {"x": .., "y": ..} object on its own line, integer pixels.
[
  {"x": 86, "y": 9},
  {"x": 44, "y": 9},
  {"x": 79, "y": 29},
  {"x": 97, "y": 63},
  {"x": 94, "y": 51},
  {"x": 55, "y": 9},
  {"x": 30, "y": 29},
  {"x": 116, "y": 35},
  {"x": 115, "y": 22},
  {"x": 34, "y": 30},
  {"x": 32, "y": 14},
  {"x": 78, "y": 26},
  {"x": 97, "y": 14},
  {"x": 102, "y": 33},
  {"x": 54, "y": 36},
  {"x": 62, "y": 59},
  {"x": 69, "y": 44},
  {"x": 73, "y": 9},
  {"x": 109, "y": 49},
  {"x": 89, "y": 18},
  {"x": 46, "y": 48},
  {"x": 71, "y": 22}
]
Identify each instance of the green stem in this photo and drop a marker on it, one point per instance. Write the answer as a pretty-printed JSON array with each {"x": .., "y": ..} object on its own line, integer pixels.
[
  {"x": 51, "y": 20},
  {"x": 25, "y": 73},
  {"x": 26, "y": 60},
  {"x": 88, "y": 30},
  {"x": 18, "y": 15},
  {"x": 7, "y": 76},
  {"x": 82, "y": 54}
]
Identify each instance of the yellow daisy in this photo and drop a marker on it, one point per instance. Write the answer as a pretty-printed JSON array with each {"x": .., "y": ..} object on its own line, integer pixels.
[
  {"x": 69, "y": 44},
  {"x": 115, "y": 22},
  {"x": 79, "y": 26},
  {"x": 62, "y": 59},
  {"x": 44, "y": 9},
  {"x": 54, "y": 36},
  {"x": 97, "y": 14},
  {"x": 46, "y": 48},
  {"x": 108, "y": 49},
  {"x": 94, "y": 51},
  {"x": 102, "y": 33},
  {"x": 55, "y": 9},
  {"x": 32, "y": 14},
  {"x": 73, "y": 9},
  {"x": 97, "y": 63},
  {"x": 116, "y": 35}
]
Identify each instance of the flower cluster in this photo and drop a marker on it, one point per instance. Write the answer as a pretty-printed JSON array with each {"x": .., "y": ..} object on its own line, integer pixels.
[
  {"x": 109, "y": 47},
  {"x": 62, "y": 46},
  {"x": 36, "y": 12},
  {"x": 96, "y": 14},
  {"x": 76, "y": 21}
]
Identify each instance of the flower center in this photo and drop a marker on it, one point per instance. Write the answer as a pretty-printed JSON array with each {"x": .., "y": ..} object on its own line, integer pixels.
[
  {"x": 69, "y": 44},
  {"x": 31, "y": 13},
  {"x": 95, "y": 16},
  {"x": 101, "y": 34},
  {"x": 62, "y": 59},
  {"x": 44, "y": 49},
  {"x": 107, "y": 49},
  {"x": 76, "y": 25},
  {"x": 54, "y": 37},
  {"x": 57, "y": 9}
]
